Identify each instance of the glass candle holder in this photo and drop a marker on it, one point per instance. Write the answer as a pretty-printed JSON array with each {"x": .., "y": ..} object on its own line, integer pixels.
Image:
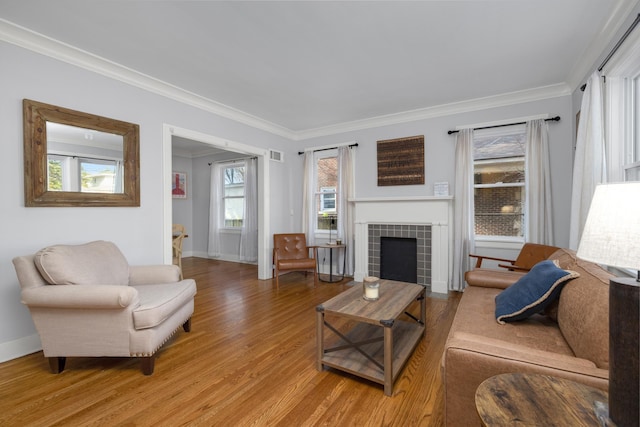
[{"x": 371, "y": 288}]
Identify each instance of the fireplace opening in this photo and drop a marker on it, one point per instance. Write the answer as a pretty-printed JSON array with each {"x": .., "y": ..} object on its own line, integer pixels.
[{"x": 398, "y": 259}]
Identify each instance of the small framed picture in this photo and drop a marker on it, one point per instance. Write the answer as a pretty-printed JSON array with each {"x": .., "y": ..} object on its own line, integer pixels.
[{"x": 179, "y": 185}]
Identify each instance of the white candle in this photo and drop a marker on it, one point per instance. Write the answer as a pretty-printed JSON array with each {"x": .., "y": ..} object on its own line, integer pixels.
[
  {"x": 371, "y": 293},
  {"x": 371, "y": 287}
]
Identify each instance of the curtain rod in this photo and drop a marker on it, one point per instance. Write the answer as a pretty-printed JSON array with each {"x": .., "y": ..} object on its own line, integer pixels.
[
  {"x": 553, "y": 119},
  {"x": 233, "y": 160},
  {"x": 330, "y": 148},
  {"x": 75, "y": 156},
  {"x": 616, "y": 47}
]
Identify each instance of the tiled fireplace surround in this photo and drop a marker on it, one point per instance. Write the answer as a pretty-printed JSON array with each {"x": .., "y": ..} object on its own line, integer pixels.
[
  {"x": 401, "y": 217},
  {"x": 422, "y": 234}
]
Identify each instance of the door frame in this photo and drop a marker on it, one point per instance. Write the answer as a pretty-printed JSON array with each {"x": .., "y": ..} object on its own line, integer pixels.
[{"x": 168, "y": 132}]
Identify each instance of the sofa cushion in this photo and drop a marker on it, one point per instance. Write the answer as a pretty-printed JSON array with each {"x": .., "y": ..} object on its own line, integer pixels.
[
  {"x": 476, "y": 315},
  {"x": 583, "y": 308},
  {"x": 159, "y": 301},
  {"x": 94, "y": 263},
  {"x": 532, "y": 292}
]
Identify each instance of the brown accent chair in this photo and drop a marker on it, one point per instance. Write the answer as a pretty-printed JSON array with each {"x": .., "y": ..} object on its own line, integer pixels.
[
  {"x": 87, "y": 301},
  {"x": 530, "y": 255},
  {"x": 291, "y": 253}
]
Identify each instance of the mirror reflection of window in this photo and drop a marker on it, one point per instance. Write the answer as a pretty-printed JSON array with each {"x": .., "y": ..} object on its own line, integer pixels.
[{"x": 83, "y": 160}]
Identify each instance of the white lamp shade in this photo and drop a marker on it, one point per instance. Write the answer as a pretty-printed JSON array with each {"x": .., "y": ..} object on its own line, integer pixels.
[{"x": 611, "y": 234}]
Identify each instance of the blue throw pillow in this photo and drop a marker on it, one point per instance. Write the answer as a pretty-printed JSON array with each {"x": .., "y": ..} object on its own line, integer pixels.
[{"x": 532, "y": 292}]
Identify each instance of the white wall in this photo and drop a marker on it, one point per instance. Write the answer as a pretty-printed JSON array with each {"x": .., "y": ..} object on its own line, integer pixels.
[{"x": 137, "y": 231}]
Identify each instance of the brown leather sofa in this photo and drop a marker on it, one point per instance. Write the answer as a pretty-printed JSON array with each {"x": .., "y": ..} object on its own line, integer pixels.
[{"x": 569, "y": 341}]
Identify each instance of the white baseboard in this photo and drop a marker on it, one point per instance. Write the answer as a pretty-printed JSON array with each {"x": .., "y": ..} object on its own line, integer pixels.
[
  {"x": 20, "y": 347},
  {"x": 222, "y": 257}
]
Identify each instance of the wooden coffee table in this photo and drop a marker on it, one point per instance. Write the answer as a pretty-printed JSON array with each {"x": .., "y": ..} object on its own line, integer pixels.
[{"x": 376, "y": 344}]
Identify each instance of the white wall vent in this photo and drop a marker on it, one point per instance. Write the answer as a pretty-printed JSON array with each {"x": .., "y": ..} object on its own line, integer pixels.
[{"x": 277, "y": 156}]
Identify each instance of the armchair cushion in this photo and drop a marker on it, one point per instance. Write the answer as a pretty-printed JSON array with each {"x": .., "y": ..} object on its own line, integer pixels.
[
  {"x": 159, "y": 301},
  {"x": 145, "y": 274},
  {"x": 94, "y": 263},
  {"x": 532, "y": 292}
]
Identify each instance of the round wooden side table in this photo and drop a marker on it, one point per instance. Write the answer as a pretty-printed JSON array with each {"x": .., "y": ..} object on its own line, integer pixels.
[{"x": 540, "y": 400}]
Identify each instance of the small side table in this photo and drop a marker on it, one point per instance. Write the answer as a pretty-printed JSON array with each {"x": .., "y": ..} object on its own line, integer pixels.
[
  {"x": 337, "y": 277},
  {"x": 540, "y": 400}
]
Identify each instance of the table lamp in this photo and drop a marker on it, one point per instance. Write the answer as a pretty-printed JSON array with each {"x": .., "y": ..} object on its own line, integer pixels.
[{"x": 611, "y": 237}]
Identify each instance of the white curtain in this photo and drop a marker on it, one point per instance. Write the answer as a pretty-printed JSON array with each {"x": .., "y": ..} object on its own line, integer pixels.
[
  {"x": 215, "y": 211},
  {"x": 589, "y": 165},
  {"x": 249, "y": 233},
  {"x": 308, "y": 198},
  {"x": 538, "y": 191},
  {"x": 345, "y": 192},
  {"x": 119, "y": 174},
  {"x": 463, "y": 217}
]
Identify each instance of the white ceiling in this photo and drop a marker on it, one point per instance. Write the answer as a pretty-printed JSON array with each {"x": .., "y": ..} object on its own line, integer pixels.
[{"x": 311, "y": 64}]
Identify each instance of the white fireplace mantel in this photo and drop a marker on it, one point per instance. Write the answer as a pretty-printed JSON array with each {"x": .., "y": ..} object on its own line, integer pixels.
[{"x": 428, "y": 210}]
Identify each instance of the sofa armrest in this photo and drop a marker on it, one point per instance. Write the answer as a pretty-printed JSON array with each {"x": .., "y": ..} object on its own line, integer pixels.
[
  {"x": 80, "y": 296},
  {"x": 146, "y": 274}
]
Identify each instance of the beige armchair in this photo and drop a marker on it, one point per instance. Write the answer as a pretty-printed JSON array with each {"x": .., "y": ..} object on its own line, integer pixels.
[{"x": 86, "y": 301}]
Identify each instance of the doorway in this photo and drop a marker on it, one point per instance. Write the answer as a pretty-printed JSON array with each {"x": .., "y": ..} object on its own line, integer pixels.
[{"x": 169, "y": 132}]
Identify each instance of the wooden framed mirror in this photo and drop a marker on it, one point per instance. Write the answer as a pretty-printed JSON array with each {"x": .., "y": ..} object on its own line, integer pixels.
[{"x": 73, "y": 158}]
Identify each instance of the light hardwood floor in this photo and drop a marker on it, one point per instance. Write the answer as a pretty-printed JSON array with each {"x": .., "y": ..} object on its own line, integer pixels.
[{"x": 248, "y": 361}]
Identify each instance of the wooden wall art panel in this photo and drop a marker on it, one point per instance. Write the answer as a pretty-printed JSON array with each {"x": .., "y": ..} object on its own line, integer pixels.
[{"x": 401, "y": 161}]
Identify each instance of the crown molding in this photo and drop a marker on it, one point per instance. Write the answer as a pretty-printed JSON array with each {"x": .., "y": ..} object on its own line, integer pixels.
[
  {"x": 605, "y": 38},
  {"x": 39, "y": 43},
  {"x": 502, "y": 100},
  {"x": 27, "y": 39}
]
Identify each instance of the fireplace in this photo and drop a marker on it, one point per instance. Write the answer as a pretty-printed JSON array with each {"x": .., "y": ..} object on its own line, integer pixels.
[
  {"x": 425, "y": 218},
  {"x": 415, "y": 238}
]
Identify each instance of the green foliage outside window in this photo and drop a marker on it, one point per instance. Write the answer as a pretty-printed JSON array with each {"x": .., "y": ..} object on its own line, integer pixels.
[{"x": 55, "y": 175}]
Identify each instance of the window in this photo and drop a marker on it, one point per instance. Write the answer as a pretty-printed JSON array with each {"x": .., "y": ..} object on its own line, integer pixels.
[
  {"x": 622, "y": 112},
  {"x": 71, "y": 173},
  {"x": 98, "y": 176},
  {"x": 499, "y": 183},
  {"x": 631, "y": 163},
  {"x": 233, "y": 196},
  {"x": 326, "y": 184},
  {"x": 328, "y": 199}
]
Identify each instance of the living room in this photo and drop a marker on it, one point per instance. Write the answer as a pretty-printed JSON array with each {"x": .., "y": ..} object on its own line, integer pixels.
[{"x": 43, "y": 69}]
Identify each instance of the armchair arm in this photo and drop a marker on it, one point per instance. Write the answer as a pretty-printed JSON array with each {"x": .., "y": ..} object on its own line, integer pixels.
[
  {"x": 514, "y": 267},
  {"x": 480, "y": 258},
  {"x": 314, "y": 251},
  {"x": 145, "y": 274},
  {"x": 80, "y": 296}
]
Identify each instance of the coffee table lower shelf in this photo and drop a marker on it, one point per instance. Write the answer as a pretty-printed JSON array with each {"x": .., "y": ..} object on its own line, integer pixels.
[{"x": 345, "y": 356}]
